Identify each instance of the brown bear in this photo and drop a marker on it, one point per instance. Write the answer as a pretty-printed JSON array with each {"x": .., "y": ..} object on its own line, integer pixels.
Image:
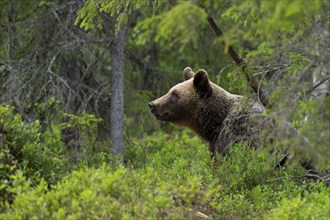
[{"x": 219, "y": 117}]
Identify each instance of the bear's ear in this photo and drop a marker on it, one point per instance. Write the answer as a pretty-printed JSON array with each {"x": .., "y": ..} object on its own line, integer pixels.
[
  {"x": 202, "y": 83},
  {"x": 187, "y": 73}
]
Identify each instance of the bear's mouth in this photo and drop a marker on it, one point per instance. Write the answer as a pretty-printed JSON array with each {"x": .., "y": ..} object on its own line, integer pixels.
[{"x": 161, "y": 115}]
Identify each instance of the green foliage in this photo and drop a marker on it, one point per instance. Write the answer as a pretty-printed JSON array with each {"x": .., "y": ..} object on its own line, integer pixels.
[
  {"x": 254, "y": 167},
  {"x": 281, "y": 40},
  {"x": 313, "y": 114},
  {"x": 84, "y": 124},
  {"x": 89, "y": 15},
  {"x": 192, "y": 19},
  {"x": 160, "y": 190},
  {"x": 178, "y": 179},
  {"x": 263, "y": 51},
  {"x": 140, "y": 121},
  {"x": 24, "y": 150},
  {"x": 24, "y": 147},
  {"x": 313, "y": 204},
  {"x": 84, "y": 148},
  {"x": 262, "y": 19},
  {"x": 29, "y": 154},
  {"x": 168, "y": 172}
]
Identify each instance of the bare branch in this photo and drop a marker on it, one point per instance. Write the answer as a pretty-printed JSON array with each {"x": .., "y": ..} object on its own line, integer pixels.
[
  {"x": 241, "y": 63},
  {"x": 231, "y": 51},
  {"x": 323, "y": 175},
  {"x": 136, "y": 60},
  {"x": 315, "y": 85},
  {"x": 64, "y": 82}
]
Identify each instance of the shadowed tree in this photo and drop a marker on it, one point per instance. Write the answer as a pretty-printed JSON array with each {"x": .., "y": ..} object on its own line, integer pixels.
[{"x": 117, "y": 93}]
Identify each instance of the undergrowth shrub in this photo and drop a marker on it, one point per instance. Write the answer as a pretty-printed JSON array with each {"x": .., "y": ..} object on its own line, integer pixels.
[
  {"x": 33, "y": 152},
  {"x": 252, "y": 186},
  {"x": 245, "y": 167},
  {"x": 84, "y": 150},
  {"x": 25, "y": 151},
  {"x": 176, "y": 180},
  {"x": 171, "y": 185},
  {"x": 310, "y": 204}
]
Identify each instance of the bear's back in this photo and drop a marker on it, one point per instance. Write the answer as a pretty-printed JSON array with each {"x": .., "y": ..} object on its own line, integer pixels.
[{"x": 243, "y": 123}]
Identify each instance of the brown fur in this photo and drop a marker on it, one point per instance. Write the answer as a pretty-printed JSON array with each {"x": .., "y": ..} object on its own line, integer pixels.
[{"x": 219, "y": 117}]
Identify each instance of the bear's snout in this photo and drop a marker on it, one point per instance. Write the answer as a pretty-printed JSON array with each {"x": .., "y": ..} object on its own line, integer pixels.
[
  {"x": 160, "y": 115},
  {"x": 152, "y": 107}
]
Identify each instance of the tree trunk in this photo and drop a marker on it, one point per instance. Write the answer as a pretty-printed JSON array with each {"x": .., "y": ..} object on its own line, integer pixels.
[
  {"x": 117, "y": 94},
  {"x": 11, "y": 31}
]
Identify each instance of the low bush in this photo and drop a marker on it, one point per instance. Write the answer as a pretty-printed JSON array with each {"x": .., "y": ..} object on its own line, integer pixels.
[
  {"x": 33, "y": 152},
  {"x": 25, "y": 151},
  {"x": 172, "y": 185},
  {"x": 177, "y": 179}
]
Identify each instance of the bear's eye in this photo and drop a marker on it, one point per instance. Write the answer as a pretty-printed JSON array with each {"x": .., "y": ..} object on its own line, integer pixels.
[{"x": 174, "y": 95}]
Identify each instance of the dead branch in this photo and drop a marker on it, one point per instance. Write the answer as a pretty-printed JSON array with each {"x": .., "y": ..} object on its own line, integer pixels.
[
  {"x": 323, "y": 176},
  {"x": 231, "y": 51},
  {"x": 241, "y": 63},
  {"x": 137, "y": 61},
  {"x": 315, "y": 85}
]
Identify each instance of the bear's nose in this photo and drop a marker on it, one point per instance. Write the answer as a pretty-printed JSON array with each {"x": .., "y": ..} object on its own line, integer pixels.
[{"x": 151, "y": 106}]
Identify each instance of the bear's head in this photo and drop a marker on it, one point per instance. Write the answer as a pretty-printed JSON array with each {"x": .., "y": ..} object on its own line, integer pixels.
[{"x": 179, "y": 104}]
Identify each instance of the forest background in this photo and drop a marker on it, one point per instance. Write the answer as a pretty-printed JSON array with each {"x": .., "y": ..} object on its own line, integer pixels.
[{"x": 76, "y": 136}]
